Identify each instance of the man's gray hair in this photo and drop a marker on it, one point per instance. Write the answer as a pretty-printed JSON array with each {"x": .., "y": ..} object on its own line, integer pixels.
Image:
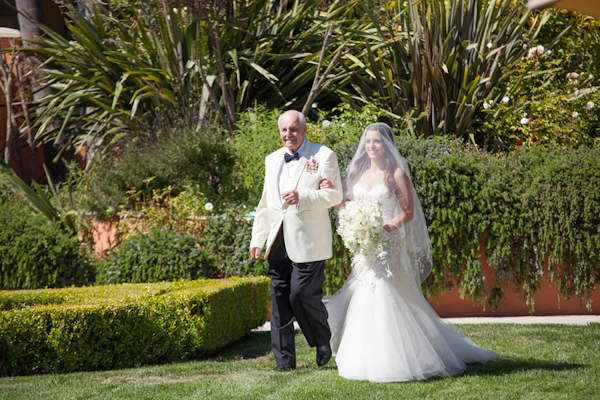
[{"x": 301, "y": 117}]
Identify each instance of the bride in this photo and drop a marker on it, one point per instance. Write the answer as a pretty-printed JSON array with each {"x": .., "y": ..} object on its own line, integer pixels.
[{"x": 383, "y": 329}]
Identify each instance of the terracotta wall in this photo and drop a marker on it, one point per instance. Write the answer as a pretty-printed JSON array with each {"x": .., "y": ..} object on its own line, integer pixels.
[{"x": 546, "y": 301}]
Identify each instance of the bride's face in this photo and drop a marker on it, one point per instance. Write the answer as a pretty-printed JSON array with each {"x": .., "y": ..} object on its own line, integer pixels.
[{"x": 374, "y": 145}]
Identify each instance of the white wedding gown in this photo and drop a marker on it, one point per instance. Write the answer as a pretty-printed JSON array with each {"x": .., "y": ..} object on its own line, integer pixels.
[{"x": 383, "y": 329}]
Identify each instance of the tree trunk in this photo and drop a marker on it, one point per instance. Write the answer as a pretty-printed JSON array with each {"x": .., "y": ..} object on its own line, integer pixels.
[{"x": 30, "y": 11}]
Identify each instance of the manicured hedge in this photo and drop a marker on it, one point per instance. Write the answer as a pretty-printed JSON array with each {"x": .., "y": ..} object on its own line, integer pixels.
[{"x": 121, "y": 326}]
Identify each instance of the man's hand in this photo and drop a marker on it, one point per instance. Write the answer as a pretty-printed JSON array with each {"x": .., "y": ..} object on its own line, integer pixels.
[
  {"x": 291, "y": 196},
  {"x": 255, "y": 253}
]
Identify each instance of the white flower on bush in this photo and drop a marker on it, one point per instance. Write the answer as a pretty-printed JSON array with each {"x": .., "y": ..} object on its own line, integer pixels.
[
  {"x": 505, "y": 99},
  {"x": 486, "y": 105},
  {"x": 208, "y": 206},
  {"x": 361, "y": 229},
  {"x": 589, "y": 105},
  {"x": 536, "y": 51},
  {"x": 326, "y": 123},
  {"x": 489, "y": 45},
  {"x": 572, "y": 77},
  {"x": 575, "y": 114},
  {"x": 524, "y": 120}
]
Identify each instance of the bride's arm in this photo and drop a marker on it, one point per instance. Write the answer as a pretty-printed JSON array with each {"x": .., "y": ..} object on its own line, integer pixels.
[{"x": 405, "y": 198}]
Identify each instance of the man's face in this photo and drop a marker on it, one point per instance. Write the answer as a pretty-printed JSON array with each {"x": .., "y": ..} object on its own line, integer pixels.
[{"x": 291, "y": 131}]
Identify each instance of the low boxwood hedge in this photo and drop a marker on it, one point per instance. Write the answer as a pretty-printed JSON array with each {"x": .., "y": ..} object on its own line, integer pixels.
[{"x": 128, "y": 325}]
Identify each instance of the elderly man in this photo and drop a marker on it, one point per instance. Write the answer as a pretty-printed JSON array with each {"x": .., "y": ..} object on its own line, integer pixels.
[{"x": 292, "y": 218}]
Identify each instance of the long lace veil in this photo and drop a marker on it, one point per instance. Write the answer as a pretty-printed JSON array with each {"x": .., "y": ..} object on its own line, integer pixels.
[{"x": 418, "y": 245}]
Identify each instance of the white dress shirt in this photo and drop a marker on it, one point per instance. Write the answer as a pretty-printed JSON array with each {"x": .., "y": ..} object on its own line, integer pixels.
[{"x": 287, "y": 170}]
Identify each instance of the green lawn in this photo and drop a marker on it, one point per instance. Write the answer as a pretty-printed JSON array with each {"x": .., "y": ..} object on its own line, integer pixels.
[{"x": 538, "y": 362}]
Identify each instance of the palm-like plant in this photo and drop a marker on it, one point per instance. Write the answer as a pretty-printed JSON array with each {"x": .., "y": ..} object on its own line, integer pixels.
[
  {"x": 127, "y": 61},
  {"x": 435, "y": 62}
]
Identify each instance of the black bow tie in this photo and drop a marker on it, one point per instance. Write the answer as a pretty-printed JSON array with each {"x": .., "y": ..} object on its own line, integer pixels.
[{"x": 288, "y": 157}]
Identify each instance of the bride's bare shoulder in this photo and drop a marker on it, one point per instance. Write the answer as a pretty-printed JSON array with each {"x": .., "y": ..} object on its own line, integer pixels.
[{"x": 400, "y": 174}]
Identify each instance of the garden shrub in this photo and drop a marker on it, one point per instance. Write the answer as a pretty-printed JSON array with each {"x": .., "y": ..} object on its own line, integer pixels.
[
  {"x": 190, "y": 154},
  {"x": 35, "y": 253},
  {"x": 129, "y": 326},
  {"x": 561, "y": 78},
  {"x": 159, "y": 208},
  {"x": 227, "y": 239},
  {"x": 161, "y": 254}
]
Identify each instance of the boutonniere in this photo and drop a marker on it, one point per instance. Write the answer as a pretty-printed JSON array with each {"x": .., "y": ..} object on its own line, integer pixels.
[{"x": 312, "y": 166}]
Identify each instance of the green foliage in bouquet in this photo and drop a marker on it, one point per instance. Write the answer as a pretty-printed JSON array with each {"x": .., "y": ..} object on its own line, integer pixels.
[{"x": 159, "y": 255}]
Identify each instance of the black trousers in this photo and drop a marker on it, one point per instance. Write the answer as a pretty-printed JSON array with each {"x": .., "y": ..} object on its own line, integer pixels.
[{"x": 296, "y": 291}]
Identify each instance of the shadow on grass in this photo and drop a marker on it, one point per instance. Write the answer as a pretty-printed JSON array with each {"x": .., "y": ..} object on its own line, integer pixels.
[
  {"x": 253, "y": 345},
  {"x": 506, "y": 366}
]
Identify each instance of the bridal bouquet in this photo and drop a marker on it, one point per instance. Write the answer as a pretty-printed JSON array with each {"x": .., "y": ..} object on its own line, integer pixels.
[{"x": 361, "y": 228}]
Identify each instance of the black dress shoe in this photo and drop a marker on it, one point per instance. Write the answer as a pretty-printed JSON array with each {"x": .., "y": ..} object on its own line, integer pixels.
[
  {"x": 283, "y": 368},
  {"x": 323, "y": 354}
]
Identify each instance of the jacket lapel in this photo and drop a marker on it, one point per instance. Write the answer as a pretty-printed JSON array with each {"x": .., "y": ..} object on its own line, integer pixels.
[
  {"x": 277, "y": 166},
  {"x": 301, "y": 166}
]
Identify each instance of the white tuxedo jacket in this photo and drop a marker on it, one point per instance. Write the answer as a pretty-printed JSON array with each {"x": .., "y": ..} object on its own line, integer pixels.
[{"x": 306, "y": 227}]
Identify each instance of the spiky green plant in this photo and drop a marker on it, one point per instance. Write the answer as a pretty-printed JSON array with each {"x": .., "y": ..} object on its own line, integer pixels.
[{"x": 436, "y": 62}]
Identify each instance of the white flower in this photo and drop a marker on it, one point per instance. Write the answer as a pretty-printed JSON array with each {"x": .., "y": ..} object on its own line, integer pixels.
[
  {"x": 491, "y": 102},
  {"x": 314, "y": 105},
  {"x": 524, "y": 120},
  {"x": 505, "y": 99},
  {"x": 486, "y": 105},
  {"x": 591, "y": 77},
  {"x": 326, "y": 123},
  {"x": 489, "y": 45},
  {"x": 361, "y": 229},
  {"x": 575, "y": 114},
  {"x": 343, "y": 125},
  {"x": 208, "y": 206},
  {"x": 589, "y": 105},
  {"x": 536, "y": 51}
]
